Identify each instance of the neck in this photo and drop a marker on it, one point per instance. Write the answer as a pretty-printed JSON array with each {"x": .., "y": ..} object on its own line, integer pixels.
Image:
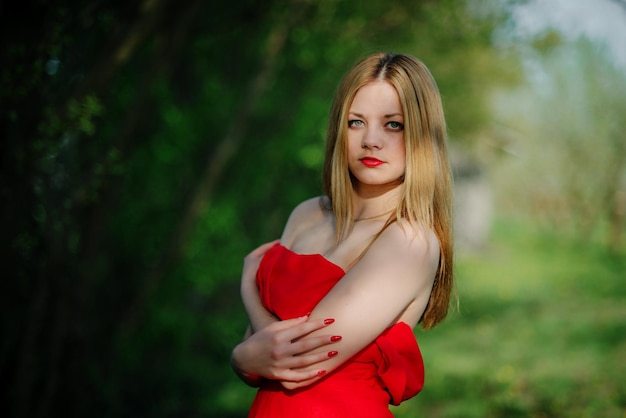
[
  {"x": 381, "y": 215},
  {"x": 369, "y": 205}
]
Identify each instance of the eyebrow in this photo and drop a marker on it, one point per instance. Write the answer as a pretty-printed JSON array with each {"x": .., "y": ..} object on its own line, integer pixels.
[{"x": 391, "y": 115}]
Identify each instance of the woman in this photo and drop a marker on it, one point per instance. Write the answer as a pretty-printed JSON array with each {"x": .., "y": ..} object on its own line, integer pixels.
[{"x": 333, "y": 303}]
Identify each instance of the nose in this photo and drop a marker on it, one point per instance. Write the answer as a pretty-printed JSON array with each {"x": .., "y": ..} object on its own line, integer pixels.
[{"x": 372, "y": 138}]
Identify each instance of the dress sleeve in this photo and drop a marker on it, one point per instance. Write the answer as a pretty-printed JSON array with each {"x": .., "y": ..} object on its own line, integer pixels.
[{"x": 402, "y": 367}]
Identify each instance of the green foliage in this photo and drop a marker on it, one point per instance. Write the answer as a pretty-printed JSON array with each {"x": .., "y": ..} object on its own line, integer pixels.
[
  {"x": 540, "y": 332},
  {"x": 148, "y": 147},
  {"x": 569, "y": 135}
]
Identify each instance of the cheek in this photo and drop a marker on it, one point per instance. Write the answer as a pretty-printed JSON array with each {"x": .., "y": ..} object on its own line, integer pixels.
[{"x": 353, "y": 143}]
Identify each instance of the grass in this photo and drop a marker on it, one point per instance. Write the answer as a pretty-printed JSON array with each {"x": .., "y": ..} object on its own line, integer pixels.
[{"x": 540, "y": 332}]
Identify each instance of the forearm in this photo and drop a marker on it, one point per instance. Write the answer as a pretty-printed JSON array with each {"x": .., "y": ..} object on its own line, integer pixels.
[
  {"x": 269, "y": 349},
  {"x": 249, "y": 379},
  {"x": 258, "y": 316},
  {"x": 278, "y": 352}
]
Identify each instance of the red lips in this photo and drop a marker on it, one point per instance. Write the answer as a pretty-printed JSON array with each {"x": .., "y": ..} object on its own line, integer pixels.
[{"x": 371, "y": 161}]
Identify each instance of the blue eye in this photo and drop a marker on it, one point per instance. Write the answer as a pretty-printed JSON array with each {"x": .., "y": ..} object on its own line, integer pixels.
[
  {"x": 396, "y": 126},
  {"x": 355, "y": 123}
]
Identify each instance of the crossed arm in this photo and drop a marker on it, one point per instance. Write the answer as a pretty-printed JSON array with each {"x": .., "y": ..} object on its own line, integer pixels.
[
  {"x": 272, "y": 348},
  {"x": 390, "y": 283}
]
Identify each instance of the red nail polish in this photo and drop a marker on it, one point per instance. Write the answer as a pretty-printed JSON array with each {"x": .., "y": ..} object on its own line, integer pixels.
[
  {"x": 335, "y": 338},
  {"x": 328, "y": 321},
  {"x": 321, "y": 373},
  {"x": 332, "y": 353}
]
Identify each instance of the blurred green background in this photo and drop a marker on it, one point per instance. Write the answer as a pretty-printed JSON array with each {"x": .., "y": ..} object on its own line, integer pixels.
[{"x": 147, "y": 146}]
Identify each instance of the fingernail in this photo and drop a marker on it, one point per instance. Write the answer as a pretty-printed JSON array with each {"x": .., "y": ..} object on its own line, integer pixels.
[
  {"x": 332, "y": 353},
  {"x": 321, "y": 373},
  {"x": 335, "y": 338},
  {"x": 328, "y": 321}
]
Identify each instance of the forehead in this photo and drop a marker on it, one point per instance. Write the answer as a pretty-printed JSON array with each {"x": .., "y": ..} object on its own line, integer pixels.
[{"x": 376, "y": 96}]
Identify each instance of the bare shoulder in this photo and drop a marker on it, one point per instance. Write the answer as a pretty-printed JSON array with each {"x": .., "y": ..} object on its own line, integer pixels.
[
  {"x": 413, "y": 237},
  {"x": 408, "y": 244},
  {"x": 309, "y": 207},
  {"x": 304, "y": 215}
]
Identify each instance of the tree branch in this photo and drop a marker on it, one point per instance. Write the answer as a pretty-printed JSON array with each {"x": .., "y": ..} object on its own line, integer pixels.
[{"x": 216, "y": 162}]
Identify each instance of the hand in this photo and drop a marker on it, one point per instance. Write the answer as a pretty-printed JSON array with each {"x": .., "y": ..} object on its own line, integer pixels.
[{"x": 280, "y": 349}]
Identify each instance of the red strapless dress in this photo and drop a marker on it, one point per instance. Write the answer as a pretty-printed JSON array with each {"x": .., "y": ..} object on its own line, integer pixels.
[{"x": 388, "y": 370}]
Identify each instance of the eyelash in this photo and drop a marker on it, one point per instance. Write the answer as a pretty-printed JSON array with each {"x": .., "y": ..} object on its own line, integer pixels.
[{"x": 399, "y": 126}]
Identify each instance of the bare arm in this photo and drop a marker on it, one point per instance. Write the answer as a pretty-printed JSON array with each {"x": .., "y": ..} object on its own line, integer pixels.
[
  {"x": 392, "y": 282},
  {"x": 278, "y": 352},
  {"x": 258, "y": 316},
  {"x": 276, "y": 349},
  {"x": 248, "y": 378}
]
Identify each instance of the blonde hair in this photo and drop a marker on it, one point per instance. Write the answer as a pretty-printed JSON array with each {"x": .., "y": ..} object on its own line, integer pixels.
[{"x": 426, "y": 194}]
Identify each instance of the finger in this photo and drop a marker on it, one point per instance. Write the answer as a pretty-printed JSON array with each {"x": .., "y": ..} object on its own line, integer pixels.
[
  {"x": 300, "y": 330},
  {"x": 287, "y": 324},
  {"x": 301, "y": 376},
  {"x": 304, "y": 361},
  {"x": 307, "y": 344},
  {"x": 293, "y": 330}
]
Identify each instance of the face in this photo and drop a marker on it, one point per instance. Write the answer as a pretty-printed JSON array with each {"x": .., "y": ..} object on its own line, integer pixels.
[{"x": 376, "y": 152}]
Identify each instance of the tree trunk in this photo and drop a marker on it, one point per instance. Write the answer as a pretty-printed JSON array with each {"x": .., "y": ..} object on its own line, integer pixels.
[{"x": 216, "y": 162}]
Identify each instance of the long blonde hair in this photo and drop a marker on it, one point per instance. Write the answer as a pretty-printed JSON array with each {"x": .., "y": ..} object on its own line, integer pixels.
[{"x": 426, "y": 194}]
